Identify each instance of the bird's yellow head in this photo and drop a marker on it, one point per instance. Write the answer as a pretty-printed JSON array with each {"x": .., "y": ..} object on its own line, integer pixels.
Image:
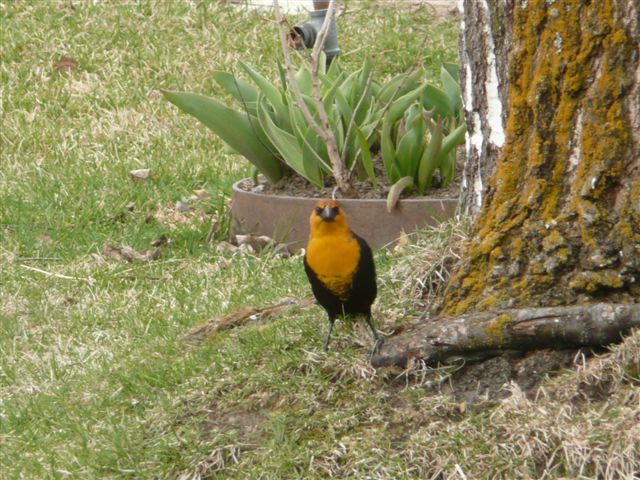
[{"x": 328, "y": 218}]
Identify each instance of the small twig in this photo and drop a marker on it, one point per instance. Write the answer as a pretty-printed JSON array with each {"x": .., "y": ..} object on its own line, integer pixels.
[
  {"x": 320, "y": 39},
  {"x": 38, "y": 259},
  {"x": 337, "y": 161},
  {"x": 56, "y": 275},
  {"x": 243, "y": 316},
  {"x": 215, "y": 228},
  {"x": 322, "y": 129},
  {"x": 291, "y": 75},
  {"x": 460, "y": 472}
]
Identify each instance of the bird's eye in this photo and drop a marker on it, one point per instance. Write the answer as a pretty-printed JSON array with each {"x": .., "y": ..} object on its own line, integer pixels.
[
  {"x": 336, "y": 210},
  {"x": 318, "y": 211}
]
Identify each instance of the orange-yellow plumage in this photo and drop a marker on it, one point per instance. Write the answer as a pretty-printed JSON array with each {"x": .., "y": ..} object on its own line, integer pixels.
[
  {"x": 333, "y": 252},
  {"x": 339, "y": 265}
]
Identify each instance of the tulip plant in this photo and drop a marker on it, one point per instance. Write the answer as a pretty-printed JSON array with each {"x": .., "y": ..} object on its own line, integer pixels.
[
  {"x": 415, "y": 125},
  {"x": 269, "y": 129},
  {"x": 419, "y": 135}
]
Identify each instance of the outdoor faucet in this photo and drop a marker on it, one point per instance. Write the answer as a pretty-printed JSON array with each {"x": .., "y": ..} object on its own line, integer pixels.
[{"x": 304, "y": 35}]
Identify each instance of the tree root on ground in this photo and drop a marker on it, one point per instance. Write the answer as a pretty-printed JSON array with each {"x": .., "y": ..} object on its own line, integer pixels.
[{"x": 486, "y": 334}]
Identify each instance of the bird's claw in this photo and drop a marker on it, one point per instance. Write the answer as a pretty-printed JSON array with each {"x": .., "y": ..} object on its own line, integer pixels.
[{"x": 376, "y": 346}]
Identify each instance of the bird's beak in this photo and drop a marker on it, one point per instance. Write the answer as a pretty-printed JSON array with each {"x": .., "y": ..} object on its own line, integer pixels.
[{"x": 328, "y": 214}]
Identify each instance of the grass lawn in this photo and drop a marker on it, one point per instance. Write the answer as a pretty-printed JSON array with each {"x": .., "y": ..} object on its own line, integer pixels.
[{"x": 95, "y": 380}]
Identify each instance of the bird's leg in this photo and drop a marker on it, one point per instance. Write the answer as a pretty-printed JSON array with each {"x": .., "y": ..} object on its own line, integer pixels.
[
  {"x": 332, "y": 320},
  {"x": 377, "y": 338}
]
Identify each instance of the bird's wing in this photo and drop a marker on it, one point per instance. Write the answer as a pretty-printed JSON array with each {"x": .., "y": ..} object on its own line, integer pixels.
[
  {"x": 325, "y": 297},
  {"x": 364, "y": 282}
]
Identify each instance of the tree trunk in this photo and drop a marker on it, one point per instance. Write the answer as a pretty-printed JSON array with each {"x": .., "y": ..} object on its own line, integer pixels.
[
  {"x": 560, "y": 220},
  {"x": 485, "y": 40},
  {"x": 552, "y": 100}
]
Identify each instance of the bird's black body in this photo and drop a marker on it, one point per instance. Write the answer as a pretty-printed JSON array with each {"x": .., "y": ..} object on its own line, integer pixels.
[
  {"x": 362, "y": 293},
  {"x": 340, "y": 266}
]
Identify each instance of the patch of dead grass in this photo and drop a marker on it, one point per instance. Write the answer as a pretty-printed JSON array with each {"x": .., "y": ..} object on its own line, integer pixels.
[
  {"x": 583, "y": 423},
  {"x": 425, "y": 262}
]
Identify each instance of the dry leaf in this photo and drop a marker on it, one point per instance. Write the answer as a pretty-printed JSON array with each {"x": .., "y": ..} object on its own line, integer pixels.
[
  {"x": 246, "y": 248},
  {"x": 403, "y": 241},
  {"x": 182, "y": 206},
  {"x": 202, "y": 194},
  {"x": 226, "y": 247},
  {"x": 140, "y": 174},
  {"x": 130, "y": 255},
  {"x": 45, "y": 240},
  {"x": 120, "y": 217},
  {"x": 161, "y": 241},
  {"x": 283, "y": 250},
  {"x": 215, "y": 228},
  {"x": 9, "y": 257},
  {"x": 65, "y": 64},
  {"x": 175, "y": 216},
  {"x": 256, "y": 242}
]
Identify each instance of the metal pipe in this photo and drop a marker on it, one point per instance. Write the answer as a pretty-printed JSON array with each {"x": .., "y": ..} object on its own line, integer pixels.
[{"x": 304, "y": 35}]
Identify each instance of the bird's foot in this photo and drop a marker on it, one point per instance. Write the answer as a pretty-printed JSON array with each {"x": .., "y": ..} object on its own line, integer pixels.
[{"x": 376, "y": 346}]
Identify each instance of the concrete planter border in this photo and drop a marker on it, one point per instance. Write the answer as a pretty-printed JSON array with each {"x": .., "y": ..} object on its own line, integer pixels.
[{"x": 286, "y": 218}]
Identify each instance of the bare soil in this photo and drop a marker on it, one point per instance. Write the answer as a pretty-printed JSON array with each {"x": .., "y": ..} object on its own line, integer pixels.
[
  {"x": 296, "y": 186},
  {"x": 489, "y": 378}
]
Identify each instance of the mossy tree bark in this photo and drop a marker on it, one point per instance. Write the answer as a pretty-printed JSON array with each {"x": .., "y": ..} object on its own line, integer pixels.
[
  {"x": 552, "y": 96},
  {"x": 560, "y": 218}
]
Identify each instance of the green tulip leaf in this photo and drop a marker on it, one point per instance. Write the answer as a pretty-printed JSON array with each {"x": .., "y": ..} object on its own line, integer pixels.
[
  {"x": 365, "y": 155},
  {"x": 433, "y": 97},
  {"x": 398, "y": 86},
  {"x": 271, "y": 92},
  {"x": 396, "y": 190},
  {"x": 452, "y": 89},
  {"x": 287, "y": 144},
  {"x": 430, "y": 159},
  {"x": 240, "y": 131},
  {"x": 241, "y": 90},
  {"x": 453, "y": 69}
]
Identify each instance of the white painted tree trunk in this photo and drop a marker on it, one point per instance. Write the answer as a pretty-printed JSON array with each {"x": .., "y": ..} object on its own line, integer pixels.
[{"x": 484, "y": 46}]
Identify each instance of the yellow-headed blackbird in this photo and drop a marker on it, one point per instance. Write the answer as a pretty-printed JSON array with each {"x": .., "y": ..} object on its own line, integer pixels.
[{"x": 340, "y": 266}]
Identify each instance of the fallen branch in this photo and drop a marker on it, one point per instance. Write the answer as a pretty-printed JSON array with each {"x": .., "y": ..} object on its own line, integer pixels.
[
  {"x": 486, "y": 334},
  {"x": 241, "y": 317}
]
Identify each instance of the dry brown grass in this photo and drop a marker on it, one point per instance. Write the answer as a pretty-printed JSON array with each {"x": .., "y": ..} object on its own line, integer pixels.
[
  {"x": 426, "y": 262},
  {"x": 584, "y": 423}
]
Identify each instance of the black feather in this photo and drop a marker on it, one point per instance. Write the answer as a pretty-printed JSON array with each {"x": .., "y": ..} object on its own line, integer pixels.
[{"x": 363, "y": 289}]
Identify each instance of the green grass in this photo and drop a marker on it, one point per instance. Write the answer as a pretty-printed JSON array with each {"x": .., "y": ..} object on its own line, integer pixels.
[{"x": 95, "y": 379}]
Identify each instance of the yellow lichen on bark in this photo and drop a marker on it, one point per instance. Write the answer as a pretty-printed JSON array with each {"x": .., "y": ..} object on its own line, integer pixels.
[
  {"x": 495, "y": 330},
  {"x": 552, "y": 200}
]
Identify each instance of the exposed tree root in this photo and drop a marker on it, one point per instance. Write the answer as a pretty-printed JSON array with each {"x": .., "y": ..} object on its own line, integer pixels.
[{"x": 485, "y": 334}]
